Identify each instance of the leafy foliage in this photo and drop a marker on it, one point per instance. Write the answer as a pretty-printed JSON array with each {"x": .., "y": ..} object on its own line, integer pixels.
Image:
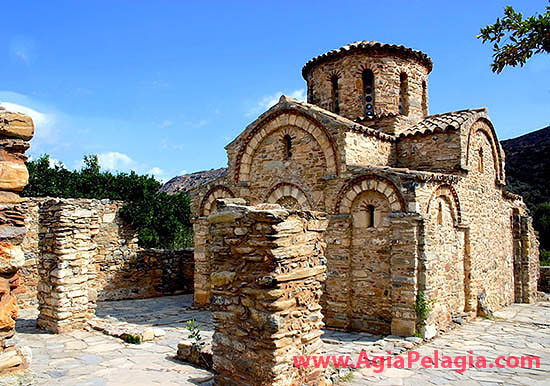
[
  {"x": 195, "y": 334},
  {"x": 423, "y": 307},
  {"x": 162, "y": 220},
  {"x": 516, "y": 39},
  {"x": 541, "y": 222}
]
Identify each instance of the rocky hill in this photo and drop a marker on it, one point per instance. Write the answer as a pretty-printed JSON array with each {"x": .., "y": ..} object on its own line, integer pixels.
[
  {"x": 189, "y": 181},
  {"x": 528, "y": 165}
]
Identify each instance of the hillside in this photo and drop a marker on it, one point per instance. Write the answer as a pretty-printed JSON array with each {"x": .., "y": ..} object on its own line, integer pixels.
[
  {"x": 189, "y": 181},
  {"x": 528, "y": 166}
]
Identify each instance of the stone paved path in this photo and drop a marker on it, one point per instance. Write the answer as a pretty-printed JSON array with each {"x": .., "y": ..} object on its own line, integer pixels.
[
  {"x": 91, "y": 358},
  {"x": 520, "y": 329}
]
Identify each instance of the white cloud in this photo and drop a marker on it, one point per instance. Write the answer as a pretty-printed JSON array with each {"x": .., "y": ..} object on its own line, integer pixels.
[
  {"x": 270, "y": 100},
  {"x": 114, "y": 161},
  {"x": 159, "y": 174},
  {"x": 54, "y": 162},
  {"x": 45, "y": 124}
]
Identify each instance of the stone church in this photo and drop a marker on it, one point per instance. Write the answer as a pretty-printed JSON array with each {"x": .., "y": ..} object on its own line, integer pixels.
[{"x": 416, "y": 202}]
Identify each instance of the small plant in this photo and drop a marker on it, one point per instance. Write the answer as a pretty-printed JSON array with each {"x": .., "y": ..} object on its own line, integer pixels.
[
  {"x": 346, "y": 378},
  {"x": 195, "y": 334},
  {"x": 423, "y": 307},
  {"x": 417, "y": 335},
  {"x": 132, "y": 339}
]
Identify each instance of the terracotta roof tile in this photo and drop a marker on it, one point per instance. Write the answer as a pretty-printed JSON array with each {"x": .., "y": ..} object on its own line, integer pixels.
[
  {"x": 446, "y": 121},
  {"x": 368, "y": 45}
]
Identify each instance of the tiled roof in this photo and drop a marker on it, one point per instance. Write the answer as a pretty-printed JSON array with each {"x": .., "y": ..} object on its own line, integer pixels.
[
  {"x": 351, "y": 125},
  {"x": 369, "y": 45},
  {"x": 446, "y": 121},
  {"x": 190, "y": 181}
]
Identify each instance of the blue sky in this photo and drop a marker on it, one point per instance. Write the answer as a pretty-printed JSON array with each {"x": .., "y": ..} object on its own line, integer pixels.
[{"x": 162, "y": 86}]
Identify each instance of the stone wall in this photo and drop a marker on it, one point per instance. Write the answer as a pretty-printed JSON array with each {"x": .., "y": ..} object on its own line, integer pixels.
[
  {"x": 387, "y": 69},
  {"x": 268, "y": 268},
  {"x": 441, "y": 152},
  {"x": 121, "y": 270},
  {"x": 66, "y": 299},
  {"x": 15, "y": 132}
]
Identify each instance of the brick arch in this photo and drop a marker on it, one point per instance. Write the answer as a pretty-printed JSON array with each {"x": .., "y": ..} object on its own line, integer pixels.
[
  {"x": 363, "y": 66},
  {"x": 336, "y": 73},
  {"x": 216, "y": 192},
  {"x": 489, "y": 131},
  {"x": 288, "y": 189},
  {"x": 286, "y": 117},
  {"x": 450, "y": 192},
  {"x": 358, "y": 185}
]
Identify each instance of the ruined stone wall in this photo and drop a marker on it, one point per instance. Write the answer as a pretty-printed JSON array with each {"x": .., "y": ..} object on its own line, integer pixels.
[
  {"x": 66, "y": 298},
  {"x": 386, "y": 69},
  {"x": 121, "y": 270},
  {"x": 440, "y": 152},
  {"x": 15, "y": 132},
  {"x": 267, "y": 273}
]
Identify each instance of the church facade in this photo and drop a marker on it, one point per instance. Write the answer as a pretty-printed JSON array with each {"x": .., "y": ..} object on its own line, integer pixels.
[{"x": 417, "y": 209}]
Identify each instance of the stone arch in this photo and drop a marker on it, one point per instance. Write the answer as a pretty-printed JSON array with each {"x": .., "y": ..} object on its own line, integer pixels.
[
  {"x": 449, "y": 192},
  {"x": 216, "y": 192},
  {"x": 276, "y": 121},
  {"x": 356, "y": 186},
  {"x": 288, "y": 189},
  {"x": 486, "y": 127}
]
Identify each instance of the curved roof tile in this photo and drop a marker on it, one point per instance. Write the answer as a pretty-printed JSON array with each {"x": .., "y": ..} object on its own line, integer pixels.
[
  {"x": 369, "y": 45},
  {"x": 446, "y": 121}
]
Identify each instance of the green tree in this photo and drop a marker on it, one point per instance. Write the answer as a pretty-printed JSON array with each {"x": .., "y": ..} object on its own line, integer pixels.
[
  {"x": 162, "y": 220},
  {"x": 516, "y": 39},
  {"x": 541, "y": 222}
]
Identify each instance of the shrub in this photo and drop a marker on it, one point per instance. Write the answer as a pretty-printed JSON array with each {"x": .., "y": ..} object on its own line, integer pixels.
[{"x": 162, "y": 220}]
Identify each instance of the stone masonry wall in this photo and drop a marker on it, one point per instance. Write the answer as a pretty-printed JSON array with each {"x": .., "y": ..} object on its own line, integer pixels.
[
  {"x": 66, "y": 299},
  {"x": 386, "y": 69},
  {"x": 268, "y": 271},
  {"x": 15, "y": 132},
  {"x": 440, "y": 152},
  {"x": 121, "y": 269}
]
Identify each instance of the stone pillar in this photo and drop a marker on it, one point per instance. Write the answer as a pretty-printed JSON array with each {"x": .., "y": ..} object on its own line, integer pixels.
[
  {"x": 530, "y": 262},
  {"x": 65, "y": 299},
  {"x": 268, "y": 269},
  {"x": 406, "y": 251},
  {"x": 201, "y": 281},
  {"x": 15, "y": 132}
]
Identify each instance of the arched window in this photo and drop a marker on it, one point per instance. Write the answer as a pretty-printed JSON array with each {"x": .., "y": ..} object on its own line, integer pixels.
[
  {"x": 480, "y": 160},
  {"x": 424, "y": 98},
  {"x": 368, "y": 92},
  {"x": 335, "y": 97},
  {"x": 403, "y": 94},
  {"x": 370, "y": 216},
  {"x": 287, "y": 142},
  {"x": 440, "y": 213}
]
